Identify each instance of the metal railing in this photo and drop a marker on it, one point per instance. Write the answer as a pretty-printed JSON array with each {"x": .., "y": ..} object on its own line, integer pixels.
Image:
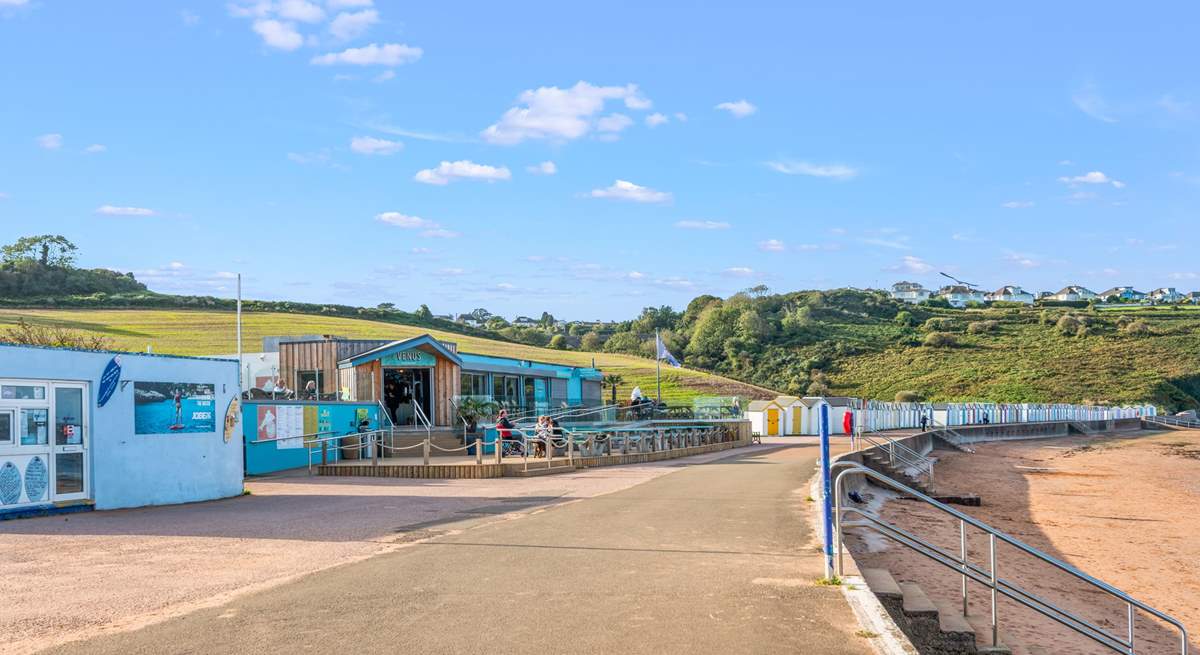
[
  {"x": 899, "y": 452},
  {"x": 989, "y": 577},
  {"x": 1173, "y": 421}
]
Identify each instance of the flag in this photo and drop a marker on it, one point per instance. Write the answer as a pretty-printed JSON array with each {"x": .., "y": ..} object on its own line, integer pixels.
[{"x": 664, "y": 354}]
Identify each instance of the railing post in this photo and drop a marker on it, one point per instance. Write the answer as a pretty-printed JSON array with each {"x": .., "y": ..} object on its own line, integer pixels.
[
  {"x": 375, "y": 443},
  {"x": 962, "y": 536},
  {"x": 1129, "y": 607},
  {"x": 425, "y": 450},
  {"x": 478, "y": 451},
  {"x": 324, "y": 452},
  {"x": 995, "y": 620},
  {"x": 498, "y": 450}
]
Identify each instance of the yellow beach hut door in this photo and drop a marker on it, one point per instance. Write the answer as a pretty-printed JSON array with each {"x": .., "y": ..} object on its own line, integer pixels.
[
  {"x": 797, "y": 421},
  {"x": 773, "y": 422}
]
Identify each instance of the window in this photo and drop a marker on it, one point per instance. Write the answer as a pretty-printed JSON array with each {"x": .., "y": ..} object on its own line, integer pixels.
[
  {"x": 34, "y": 427},
  {"x": 507, "y": 390},
  {"x": 474, "y": 384},
  {"x": 68, "y": 416},
  {"x": 22, "y": 392},
  {"x": 7, "y": 427}
]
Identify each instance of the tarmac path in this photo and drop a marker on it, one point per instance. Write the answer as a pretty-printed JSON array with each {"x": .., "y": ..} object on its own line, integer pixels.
[{"x": 713, "y": 558}]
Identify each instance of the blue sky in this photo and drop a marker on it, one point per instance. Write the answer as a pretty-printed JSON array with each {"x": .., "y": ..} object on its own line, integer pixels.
[{"x": 360, "y": 152}]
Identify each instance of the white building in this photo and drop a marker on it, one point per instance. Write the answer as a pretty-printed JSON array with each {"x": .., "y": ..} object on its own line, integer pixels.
[
  {"x": 1011, "y": 293},
  {"x": 910, "y": 292},
  {"x": 959, "y": 295},
  {"x": 1165, "y": 295},
  {"x": 1073, "y": 293}
]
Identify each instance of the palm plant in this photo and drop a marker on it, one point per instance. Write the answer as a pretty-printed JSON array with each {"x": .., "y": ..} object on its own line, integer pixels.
[
  {"x": 612, "y": 381},
  {"x": 472, "y": 408}
]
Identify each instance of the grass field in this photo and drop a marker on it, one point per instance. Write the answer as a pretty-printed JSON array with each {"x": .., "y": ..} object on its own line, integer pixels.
[{"x": 179, "y": 332}]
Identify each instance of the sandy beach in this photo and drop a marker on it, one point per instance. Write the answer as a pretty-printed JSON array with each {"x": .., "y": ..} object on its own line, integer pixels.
[{"x": 1124, "y": 509}]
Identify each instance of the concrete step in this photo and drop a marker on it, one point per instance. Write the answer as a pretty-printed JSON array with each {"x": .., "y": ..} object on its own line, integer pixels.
[
  {"x": 957, "y": 634},
  {"x": 886, "y": 589},
  {"x": 982, "y": 623},
  {"x": 542, "y": 470}
]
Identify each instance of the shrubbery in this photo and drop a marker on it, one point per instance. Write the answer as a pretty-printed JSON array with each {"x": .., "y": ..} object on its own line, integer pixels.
[
  {"x": 982, "y": 327},
  {"x": 940, "y": 340}
]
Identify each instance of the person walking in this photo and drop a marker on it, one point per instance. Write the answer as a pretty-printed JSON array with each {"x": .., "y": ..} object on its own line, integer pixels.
[{"x": 924, "y": 423}]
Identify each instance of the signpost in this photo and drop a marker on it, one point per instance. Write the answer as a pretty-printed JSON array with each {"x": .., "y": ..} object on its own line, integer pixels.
[{"x": 827, "y": 492}]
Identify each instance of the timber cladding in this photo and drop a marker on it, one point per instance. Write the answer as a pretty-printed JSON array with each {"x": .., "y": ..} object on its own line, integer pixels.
[{"x": 309, "y": 356}]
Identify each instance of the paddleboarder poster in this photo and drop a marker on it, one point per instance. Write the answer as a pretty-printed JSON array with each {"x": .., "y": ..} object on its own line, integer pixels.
[{"x": 173, "y": 408}]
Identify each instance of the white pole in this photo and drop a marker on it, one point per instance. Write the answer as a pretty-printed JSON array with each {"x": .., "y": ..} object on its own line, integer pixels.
[
  {"x": 658, "y": 364},
  {"x": 239, "y": 331}
]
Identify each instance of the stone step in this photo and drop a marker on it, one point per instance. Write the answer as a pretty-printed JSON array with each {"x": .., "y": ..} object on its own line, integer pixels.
[
  {"x": 957, "y": 634},
  {"x": 881, "y": 582},
  {"x": 982, "y": 622}
]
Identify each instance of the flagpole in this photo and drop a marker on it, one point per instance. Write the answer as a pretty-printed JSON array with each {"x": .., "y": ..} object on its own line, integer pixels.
[
  {"x": 239, "y": 331},
  {"x": 658, "y": 363}
]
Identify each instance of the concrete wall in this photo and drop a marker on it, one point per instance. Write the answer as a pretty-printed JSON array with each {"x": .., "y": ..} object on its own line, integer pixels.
[
  {"x": 132, "y": 470},
  {"x": 1016, "y": 431}
]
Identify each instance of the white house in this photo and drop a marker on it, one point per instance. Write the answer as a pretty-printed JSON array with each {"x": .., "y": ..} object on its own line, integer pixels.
[
  {"x": 911, "y": 292},
  {"x": 958, "y": 295},
  {"x": 1011, "y": 293},
  {"x": 1194, "y": 297},
  {"x": 1122, "y": 294},
  {"x": 1166, "y": 295},
  {"x": 1073, "y": 293}
]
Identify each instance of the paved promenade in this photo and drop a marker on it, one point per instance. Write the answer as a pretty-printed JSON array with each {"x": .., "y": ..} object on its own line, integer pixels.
[{"x": 714, "y": 557}]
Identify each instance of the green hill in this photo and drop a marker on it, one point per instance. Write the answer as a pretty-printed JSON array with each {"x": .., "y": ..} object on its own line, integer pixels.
[{"x": 188, "y": 332}]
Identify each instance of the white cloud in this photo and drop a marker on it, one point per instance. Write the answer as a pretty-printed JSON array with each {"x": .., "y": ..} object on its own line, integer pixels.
[
  {"x": 1017, "y": 204},
  {"x": 388, "y": 54},
  {"x": 405, "y": 221},
  {"x": 348, "y": 4},
  {"x": 369, "y": 145},
  {"x": 186, "y": 16},
  {"x": 1094, "y": 177},
  {"x": 320, "y": 157},
  {"x": 257, "y": 9},
  {"x": 831, "y": 171},
  {"x": 13, "y": 3},
  {"x": 702, "y": 225},
  {"x": 613, "y": 123},
  {"x": 636, "y": 275},
  {"x": 449, "y": 171},
  {"x": 624, "y": 190},
  {"x": 1184, "y": 276},
  {"x": 914, "y": 265},
  {"x": 384, "y": 76},
  {"x": 110, "y": 210},
  {"x": 556, "y": 114},
  {"x": 420, "y": 251},
  {"x": 277, "y": 34},
  {"x": 681, "y": 117},
  {"x": 739, "y": 108},
  {"x": 452, "y": 272},
  {"x": 1022, "y": 260},
  {"x": 3, "y": 195},
  {"x": 95, "y": 149},
  {"x": 1174, "y": 106},
  {"x": 1088, "y": 101},
  {"x": 674, "y": 282},
  {"x": 739, "y": 271},
  {"x": 351, "y": 25},
  {"x": 441, "y": 233},
  {"x": 50, "y": 141},
  {"x": 656, "y": 119},
  {"x": 300, "y": 10},
  {"x": 772, "y": 245},
  {"x": 544, "y": 168}
]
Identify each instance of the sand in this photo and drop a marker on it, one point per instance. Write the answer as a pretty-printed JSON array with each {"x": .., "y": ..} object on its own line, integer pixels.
[{"x": 1124, "y": 509}]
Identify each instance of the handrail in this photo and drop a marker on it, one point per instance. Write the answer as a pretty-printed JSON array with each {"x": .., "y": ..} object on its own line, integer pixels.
[
  {"x": 304, "y": 437},
  {"x": 385, "y": 414},
  {"x": 989, "y": 577},
  {"x": 1172, "y": 420},
  {"x": 914, "y": 459}
]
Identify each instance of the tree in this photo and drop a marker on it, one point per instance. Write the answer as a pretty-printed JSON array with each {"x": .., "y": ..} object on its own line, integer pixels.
[
  {"x": 591, "y": 341},
  {"x": 558, "y": 342},
  {"x": 423, "y": 313},
  {"x": 612, "y": 381},
  {"x": 547, "y": 320},
  {"x": 46, "y": 249},
  {"x": 908, "y": 397},
  {"x": 386, "y": 306}
]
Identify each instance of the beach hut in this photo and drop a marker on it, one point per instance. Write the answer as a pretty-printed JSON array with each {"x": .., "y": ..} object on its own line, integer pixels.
[
  {"x": 793, "y": 414},
  {"x": 767, "y": 418}
]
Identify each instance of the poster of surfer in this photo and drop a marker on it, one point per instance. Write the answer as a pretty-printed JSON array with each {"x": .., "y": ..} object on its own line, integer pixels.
[{"x": 173, "y": 408}]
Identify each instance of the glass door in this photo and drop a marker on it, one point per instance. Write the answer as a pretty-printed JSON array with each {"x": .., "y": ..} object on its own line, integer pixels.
[{"x": 70, "y": 442}]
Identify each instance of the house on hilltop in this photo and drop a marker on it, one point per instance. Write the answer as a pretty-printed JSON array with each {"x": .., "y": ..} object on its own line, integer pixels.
[
  {"x": 1073, "y": 293},
  {"x": 959, "y": 295},
  {"x": 1011, "y": 293},
  {"x": 910, "y": 292},
  {"x": 1122, "y": 294},
  {"x": 1165, "y": 295}
]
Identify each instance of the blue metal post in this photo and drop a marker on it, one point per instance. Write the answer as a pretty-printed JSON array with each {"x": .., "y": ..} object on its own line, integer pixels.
[{"x": 827, "y": 494}]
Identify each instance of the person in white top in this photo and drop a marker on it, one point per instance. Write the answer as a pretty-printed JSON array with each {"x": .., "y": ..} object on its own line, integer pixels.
[{"x": 636, "y": 396}]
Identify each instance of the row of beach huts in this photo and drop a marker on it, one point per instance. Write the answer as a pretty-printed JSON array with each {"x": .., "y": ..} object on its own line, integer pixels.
[{"x": 793, "y": 415}]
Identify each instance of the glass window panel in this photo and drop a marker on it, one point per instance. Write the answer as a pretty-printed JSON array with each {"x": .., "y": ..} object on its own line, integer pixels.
[
  {"x": 22, "y": 392},
  {"x": 7, "y": 427},
  {"x": 68, "y": 416},
  {"x": 68, "y": 473},
  {"x": 35, "y": 427}
]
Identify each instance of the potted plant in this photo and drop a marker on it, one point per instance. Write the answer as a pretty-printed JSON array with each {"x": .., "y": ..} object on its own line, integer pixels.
[{"x": 472, "y": 409}]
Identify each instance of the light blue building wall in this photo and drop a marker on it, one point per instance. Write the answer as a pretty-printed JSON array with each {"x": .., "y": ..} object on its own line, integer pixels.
[
  {"x": 271, "y": 447},
  {"x": 171, "y": 461}
]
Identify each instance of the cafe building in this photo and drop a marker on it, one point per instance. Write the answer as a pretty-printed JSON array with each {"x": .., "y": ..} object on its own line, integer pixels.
[
  {"x": 427, "y": 376},
  {"x": 82, "y": 429}
]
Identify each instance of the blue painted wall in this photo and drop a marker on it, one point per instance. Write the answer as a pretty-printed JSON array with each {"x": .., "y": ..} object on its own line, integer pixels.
[
  {"x": 132, "y": 470},
  {"x": 340, "y": 417}
]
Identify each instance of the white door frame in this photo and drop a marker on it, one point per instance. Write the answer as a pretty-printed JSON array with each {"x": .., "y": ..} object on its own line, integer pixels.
[{"x": 82, "y": 447}]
